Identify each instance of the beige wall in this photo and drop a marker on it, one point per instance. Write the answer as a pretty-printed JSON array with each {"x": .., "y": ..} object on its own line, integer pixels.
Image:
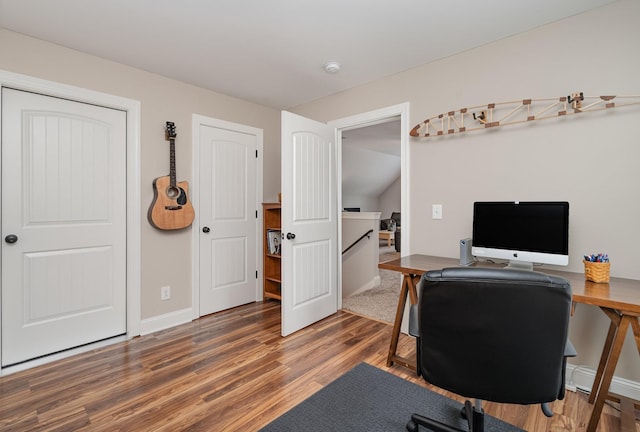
[
  {"x": 590, "y": 160},
  {"x": 165, "y": 256}
]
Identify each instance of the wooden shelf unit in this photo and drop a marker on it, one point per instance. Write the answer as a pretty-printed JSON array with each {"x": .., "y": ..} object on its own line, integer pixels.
[{"x": 272, "y": 263}]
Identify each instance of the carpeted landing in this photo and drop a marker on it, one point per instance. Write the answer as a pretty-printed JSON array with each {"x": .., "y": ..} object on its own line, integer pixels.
[{"x": 379, "y": 303}]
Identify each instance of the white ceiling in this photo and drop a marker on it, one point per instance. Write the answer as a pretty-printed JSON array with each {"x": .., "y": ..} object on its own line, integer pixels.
[
  {"x": 272, "y": 52},
  {"x": 370, "y": 159},
  {"x": 381, "y": 138}
]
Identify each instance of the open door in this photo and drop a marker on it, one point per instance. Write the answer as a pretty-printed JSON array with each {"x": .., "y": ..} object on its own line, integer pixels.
[{"x": 309, "y": 222}]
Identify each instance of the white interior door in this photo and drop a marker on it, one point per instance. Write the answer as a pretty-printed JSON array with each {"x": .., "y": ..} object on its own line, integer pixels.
[
  {"x": 227, "y": 218},
  {"x": 63, "y": 224},
  {"x": 309, "y": 222}
]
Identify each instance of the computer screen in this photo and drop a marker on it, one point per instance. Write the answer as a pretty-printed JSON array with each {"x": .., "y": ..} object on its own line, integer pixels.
[{"x": 522, "y": 232}]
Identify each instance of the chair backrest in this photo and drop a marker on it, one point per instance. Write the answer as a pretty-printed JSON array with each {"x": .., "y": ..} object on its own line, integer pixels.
[
  {"x": 396, "y": 217},
  {"x": 494, "y": 334}
]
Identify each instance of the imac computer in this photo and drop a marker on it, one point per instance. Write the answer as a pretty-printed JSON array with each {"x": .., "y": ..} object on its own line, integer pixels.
[{"x": 521, "y": 232}]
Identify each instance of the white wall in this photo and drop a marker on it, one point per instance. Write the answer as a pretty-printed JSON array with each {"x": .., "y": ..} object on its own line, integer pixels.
[
  {"x": 365, "y": 172},
  {"x": 364, "y": 203},
  {"x": 389, "y": 201},
  {"x": 360, "y": 263},
  {"x": 590, "y": 160}
]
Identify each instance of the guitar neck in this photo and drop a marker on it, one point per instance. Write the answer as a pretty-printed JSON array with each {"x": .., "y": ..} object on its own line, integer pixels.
[{"x": 172, "y": 162}]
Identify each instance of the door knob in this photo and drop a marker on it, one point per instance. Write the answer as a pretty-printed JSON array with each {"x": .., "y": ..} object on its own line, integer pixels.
[
  {"x": 291, "y": 236},
  {"x": 11, "y": 238},
  {"x": 206, "y": 230}
]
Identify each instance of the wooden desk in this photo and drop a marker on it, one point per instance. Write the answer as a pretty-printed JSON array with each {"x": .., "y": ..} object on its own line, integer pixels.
[
  {"x": 411, "y": 268},
  {"x": 387, "y": 235},
  {"x": 619, "y": 300}
]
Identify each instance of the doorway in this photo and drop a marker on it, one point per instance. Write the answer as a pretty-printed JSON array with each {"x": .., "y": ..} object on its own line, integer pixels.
[
  {"x": 310, "y": 138},
  {"x": 75, "y": 209},
  {"x": 371, "y": 183},
  {"x": 64, "y": 261},
  {"x": 397, "y": 113},
  {"x": 227, "y": 164}
]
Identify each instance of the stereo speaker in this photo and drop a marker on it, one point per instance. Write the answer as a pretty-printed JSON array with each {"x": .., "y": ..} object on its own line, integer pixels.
[{"x": 465, "y": 252}]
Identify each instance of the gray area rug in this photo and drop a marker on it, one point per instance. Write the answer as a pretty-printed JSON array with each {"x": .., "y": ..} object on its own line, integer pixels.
[
  {"x": 372, "y": 400},
  {"x": 379, "y": 303}
]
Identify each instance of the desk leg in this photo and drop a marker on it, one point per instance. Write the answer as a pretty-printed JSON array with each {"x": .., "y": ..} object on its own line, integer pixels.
[
  {"x": 635, "y": 325},
  {"x": 609, "y": 369},
  {"x": 408, "y": 288},
  {"x": 615, "y": 322}
]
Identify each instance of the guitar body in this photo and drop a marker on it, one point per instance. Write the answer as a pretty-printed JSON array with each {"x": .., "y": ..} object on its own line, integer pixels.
[{"x": 171, "y": 208}]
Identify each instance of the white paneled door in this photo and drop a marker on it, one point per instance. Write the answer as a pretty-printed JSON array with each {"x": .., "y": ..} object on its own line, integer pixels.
[
  {"x": 63, "y": 224},
  {"x": 227, "y": 218},
  {"x": 309, "y": 222}
]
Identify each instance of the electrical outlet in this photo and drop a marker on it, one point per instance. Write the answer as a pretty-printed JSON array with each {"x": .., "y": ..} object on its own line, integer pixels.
[
  {"x": 165, "y": 293},
  {"x": 436, "y": 211}
]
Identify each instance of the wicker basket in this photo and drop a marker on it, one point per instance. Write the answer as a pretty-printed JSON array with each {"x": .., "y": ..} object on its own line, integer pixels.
[{"x": 596, "y": 271}]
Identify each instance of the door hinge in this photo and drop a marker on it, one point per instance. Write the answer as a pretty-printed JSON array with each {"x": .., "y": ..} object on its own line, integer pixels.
[
  {"x": 256, "y": 274},
  {"x": 256, "y": 214},
  {"x": 256, "y": 153}
]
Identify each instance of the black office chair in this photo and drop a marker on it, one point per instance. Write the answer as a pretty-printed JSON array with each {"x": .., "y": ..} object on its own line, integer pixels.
[
  {"x": 491, "y": 334},
  {"x": 397, "y": 242}
]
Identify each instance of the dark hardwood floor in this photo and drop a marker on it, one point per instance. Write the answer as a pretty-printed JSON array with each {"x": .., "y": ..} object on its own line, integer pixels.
[{"x": 230, "y": 371}]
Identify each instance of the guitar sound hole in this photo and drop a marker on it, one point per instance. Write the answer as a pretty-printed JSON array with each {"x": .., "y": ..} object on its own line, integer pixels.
[{"x": 173, "y": 192}]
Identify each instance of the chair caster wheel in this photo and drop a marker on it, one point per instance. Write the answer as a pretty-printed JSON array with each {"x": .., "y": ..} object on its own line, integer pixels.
[{"x": 412, "y": 427}]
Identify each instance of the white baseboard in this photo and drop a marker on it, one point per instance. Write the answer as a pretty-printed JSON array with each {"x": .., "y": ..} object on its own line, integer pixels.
[
  {"x": 61, "y": 355},
  {"x": 582, "y": 378},
  {"x": 146, "y": 326},
  {"x": 373, "y": 283},
  {"x": 166, "y": 321}
]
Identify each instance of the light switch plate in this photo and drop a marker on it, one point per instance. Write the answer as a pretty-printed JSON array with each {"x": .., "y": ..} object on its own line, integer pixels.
[{"x": 436, "y": 211}]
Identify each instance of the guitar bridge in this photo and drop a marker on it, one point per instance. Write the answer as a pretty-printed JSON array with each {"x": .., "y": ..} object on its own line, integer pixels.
[{"x": 172, "y": 207}]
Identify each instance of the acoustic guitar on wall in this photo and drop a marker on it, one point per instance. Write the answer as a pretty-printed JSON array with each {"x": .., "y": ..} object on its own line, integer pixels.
[{"x": 171, "y": 208}]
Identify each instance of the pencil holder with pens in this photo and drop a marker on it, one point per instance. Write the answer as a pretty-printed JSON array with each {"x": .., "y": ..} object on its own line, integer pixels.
[{"x": 596, "y": 268}]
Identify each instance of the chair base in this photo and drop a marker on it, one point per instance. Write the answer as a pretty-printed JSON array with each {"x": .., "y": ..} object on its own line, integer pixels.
[{"x": 474, "y": 417}]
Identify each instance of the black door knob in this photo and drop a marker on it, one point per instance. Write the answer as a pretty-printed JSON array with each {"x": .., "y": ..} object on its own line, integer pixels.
[
  {"x": 291, "y": 236},
  {"x": 11, "y": 238},
  {"x": 206, "y": 230}
]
